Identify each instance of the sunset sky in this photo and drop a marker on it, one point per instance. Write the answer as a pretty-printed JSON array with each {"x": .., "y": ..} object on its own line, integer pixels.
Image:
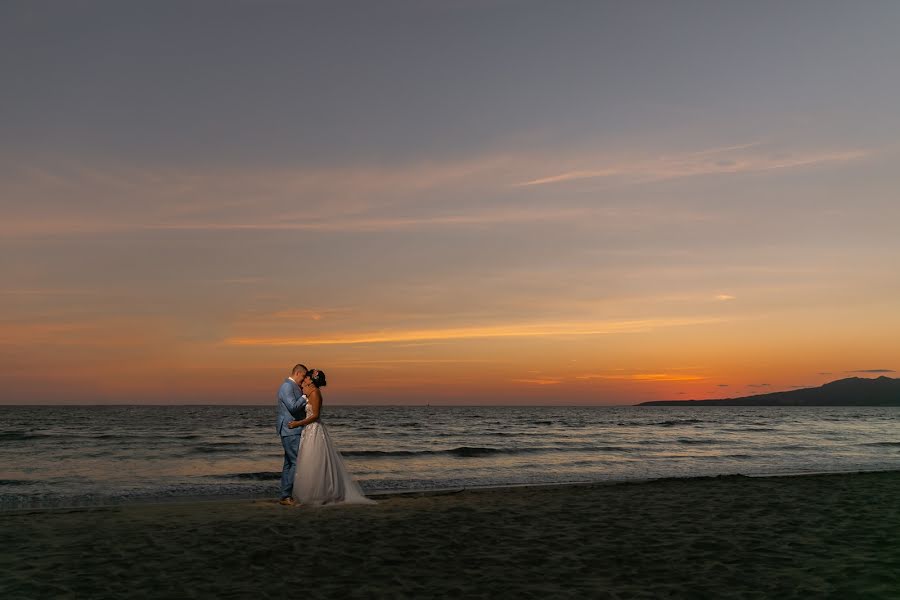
[{"x": 477, "y": 201}]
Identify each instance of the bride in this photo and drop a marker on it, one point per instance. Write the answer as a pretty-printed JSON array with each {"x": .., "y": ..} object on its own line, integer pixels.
[{"x": 322, "y": 477}]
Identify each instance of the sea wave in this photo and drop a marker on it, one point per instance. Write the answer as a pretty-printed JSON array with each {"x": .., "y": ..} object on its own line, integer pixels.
[
  {"x": 673, "y": 422},
  {"x": 257, "y": 476},
  {"x": 216, "y": 447},
  {"x": 666, "y": 423},
  {"x": 746, "y": 429},
  {"x": 16, "y": 436},
  {"x": 102, "y": 455},
  {"x": 470, "y": 451}
]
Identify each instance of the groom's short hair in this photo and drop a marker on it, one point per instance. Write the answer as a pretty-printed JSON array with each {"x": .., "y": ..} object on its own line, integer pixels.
[{"x": 299, "y": 368}]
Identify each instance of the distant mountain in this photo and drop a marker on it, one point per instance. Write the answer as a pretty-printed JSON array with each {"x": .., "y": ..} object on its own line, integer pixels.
[{"x": 853, "y": 391}]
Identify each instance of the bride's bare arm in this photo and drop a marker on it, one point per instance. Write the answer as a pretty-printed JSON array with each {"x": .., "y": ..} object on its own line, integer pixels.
[{"x": 315, "y": 401}]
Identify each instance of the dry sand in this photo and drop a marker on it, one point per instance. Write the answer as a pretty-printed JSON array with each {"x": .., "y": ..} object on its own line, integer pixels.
[{"x": 834, "y": 536}]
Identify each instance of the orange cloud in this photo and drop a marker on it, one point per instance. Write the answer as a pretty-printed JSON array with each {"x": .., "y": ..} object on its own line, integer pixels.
[
  {"x": 644, "y": 377},
  {"x": 503, "y": 331}
]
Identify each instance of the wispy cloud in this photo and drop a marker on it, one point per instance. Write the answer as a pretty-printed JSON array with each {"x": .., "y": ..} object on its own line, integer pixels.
[
  {"x": 410, "y": 361},
  {"x": 28, "y": 333},
  {"x": 872, "y": 371},
  {"x": 733, "y": 159},
  {"x": 643, "y": 377},
  {"x": 502, "y": 331},
  {"x": 373, "y": 224},
  {"x": 86, "y": 199},
  {"x": 236, "y": 281},
  {"x": 305, "y": 314},
  {"x": 111, "y": 332},
  {"x": 666, "y": 377},
  {"x": 38, "y": 292}
]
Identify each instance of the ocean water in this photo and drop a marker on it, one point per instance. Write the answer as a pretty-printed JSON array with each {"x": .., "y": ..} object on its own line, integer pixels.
[{"x": 78, "y": 456}]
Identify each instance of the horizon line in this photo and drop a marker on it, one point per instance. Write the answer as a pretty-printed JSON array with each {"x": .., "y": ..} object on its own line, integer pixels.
[{"x": 330, "y": 404}]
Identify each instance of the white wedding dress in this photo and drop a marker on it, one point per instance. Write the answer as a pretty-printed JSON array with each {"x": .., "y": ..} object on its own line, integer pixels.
[{"x": 322, "y": 476}]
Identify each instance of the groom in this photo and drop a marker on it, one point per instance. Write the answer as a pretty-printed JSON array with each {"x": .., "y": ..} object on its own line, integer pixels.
[{"x": 291, "y": 406}]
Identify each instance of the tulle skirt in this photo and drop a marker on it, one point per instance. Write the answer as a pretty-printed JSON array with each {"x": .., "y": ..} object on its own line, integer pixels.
[{"x": 322, "y": 476}]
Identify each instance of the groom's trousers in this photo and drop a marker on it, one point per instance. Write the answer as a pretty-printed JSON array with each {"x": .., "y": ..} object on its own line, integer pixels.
[{"x": 291, "y": 445}]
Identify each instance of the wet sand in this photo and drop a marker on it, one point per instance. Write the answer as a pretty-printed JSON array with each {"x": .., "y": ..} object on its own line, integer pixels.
[{"x": 816, "y": 536}]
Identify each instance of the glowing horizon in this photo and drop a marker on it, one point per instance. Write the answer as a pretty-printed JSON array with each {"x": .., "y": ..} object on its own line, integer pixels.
[{"x": 512, "y": 206}]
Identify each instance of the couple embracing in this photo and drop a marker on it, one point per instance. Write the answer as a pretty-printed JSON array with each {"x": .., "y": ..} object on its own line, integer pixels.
[{"x": 314, "y": 471}]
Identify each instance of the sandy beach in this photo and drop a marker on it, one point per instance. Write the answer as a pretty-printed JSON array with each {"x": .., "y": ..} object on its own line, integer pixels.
[{"x": 727, "y": 537}]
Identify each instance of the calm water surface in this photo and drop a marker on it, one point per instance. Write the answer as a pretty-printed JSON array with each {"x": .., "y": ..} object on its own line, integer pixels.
[{"x": 109, "y": 455}]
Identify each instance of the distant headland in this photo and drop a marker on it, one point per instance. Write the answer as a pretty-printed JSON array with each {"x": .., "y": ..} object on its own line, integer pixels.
[{"x": 853, "y": 391}]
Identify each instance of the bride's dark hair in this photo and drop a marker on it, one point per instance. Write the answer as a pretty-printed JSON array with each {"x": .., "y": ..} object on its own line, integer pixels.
[{"x": 317, "y": 377}]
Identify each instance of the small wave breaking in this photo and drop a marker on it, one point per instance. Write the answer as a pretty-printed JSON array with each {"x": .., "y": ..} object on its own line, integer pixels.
[{"x": 473, "y": 451}]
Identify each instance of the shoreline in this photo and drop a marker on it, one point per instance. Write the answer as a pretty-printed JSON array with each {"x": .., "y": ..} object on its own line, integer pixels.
[
  {"x": 733, "y": 536},
  {"x": 428, "y": 492}
]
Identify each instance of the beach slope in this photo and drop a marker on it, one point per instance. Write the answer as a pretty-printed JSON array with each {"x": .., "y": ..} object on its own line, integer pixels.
[{"x": 726, "y": 537}]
